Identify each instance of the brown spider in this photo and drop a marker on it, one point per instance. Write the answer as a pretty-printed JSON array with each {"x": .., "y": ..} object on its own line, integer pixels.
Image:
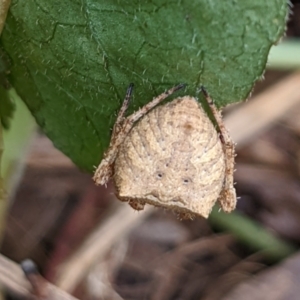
[{"x": 173, "y": 157}]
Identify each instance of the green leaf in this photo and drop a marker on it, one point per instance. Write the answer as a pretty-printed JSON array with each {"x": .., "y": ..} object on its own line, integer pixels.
[
  {"x": 3, "y": 199},
  {"x": 7, "y": 108},
  {"x": 73, "y": 60}
]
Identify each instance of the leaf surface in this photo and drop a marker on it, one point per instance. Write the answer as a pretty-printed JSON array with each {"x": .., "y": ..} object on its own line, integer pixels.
[{"x": 73, "y": 60}]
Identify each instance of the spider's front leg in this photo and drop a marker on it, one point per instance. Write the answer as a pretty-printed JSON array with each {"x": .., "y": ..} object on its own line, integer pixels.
[
  {"x": 105, "y": 170},
  {"x": 227, "y": 198},
  {"x": 121, "y": 129}
]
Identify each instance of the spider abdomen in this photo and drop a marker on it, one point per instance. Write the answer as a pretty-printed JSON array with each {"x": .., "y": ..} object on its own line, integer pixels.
[{"x": 172, "y": 158}]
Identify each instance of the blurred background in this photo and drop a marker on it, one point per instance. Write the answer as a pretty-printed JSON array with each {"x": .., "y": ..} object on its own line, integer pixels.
[{"x": 87, "y": 242}]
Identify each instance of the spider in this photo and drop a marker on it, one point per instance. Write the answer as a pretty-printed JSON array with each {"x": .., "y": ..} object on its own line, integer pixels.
[{"x": 171, "y": 156}]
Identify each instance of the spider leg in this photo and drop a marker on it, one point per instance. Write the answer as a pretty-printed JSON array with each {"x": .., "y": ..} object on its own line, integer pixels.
[
  {"x": 227, "y": 197},
  {"x": 122, "y": 111},
  {"x": 130, "y": 120},
  {"x": 143, "y": 110},
  {"x": 104, "y": 171},
  {"x": 121, "y": 129}
]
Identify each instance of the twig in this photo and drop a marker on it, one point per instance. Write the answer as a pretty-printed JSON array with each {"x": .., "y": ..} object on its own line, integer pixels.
[
  {"x": 120, "y": 221},
  {"x": 12, "y": 278},
  {"x": 252, "y": 118}
]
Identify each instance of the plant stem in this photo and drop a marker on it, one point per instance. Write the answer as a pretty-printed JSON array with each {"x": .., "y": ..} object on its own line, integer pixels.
[{"x": 252, "y": 234}]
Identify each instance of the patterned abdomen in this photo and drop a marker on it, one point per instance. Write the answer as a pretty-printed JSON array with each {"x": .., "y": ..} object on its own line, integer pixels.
[{"x": 172, "y": 158}]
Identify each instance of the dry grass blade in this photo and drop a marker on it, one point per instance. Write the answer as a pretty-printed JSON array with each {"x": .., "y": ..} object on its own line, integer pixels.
[
  {"x": 250, "y": 119},
  {"x": 121, "y": 220},
  {"x": 175, "y": 272},
  {"x": 280, "y": 282}
]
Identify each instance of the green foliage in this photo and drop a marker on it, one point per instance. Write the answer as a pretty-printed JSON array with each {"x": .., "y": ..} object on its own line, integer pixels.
[
  {"x": 2, "y": 190},
  {"x": 15, "y": 141},
  {"x": 6, "y": 108},
  {"x": 252, "y": 234},
  {"x": 72, "y": 60}
]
